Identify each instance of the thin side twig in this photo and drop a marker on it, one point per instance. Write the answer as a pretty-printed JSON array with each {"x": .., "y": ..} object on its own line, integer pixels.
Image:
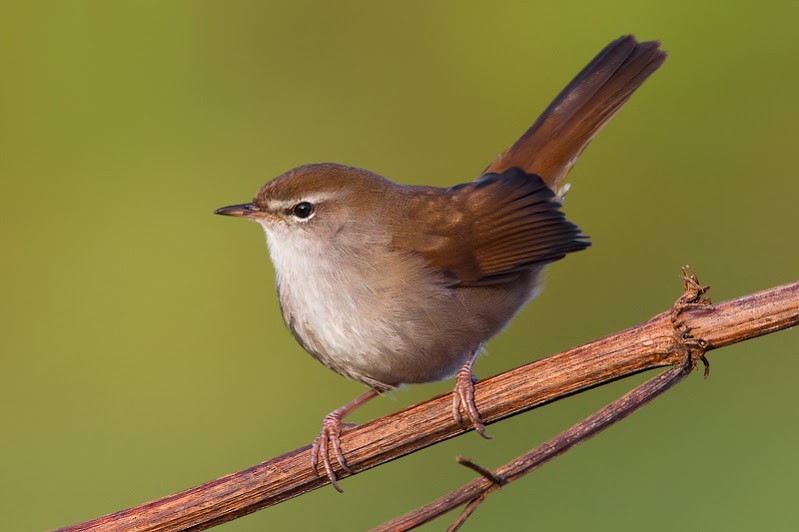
[
  {"x": 650, "y": 345},
  {"x": 475, "y": 491}
]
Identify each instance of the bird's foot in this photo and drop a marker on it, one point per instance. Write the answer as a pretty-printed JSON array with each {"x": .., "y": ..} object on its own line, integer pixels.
[
  {"x": 330, "y": 437},
  {"x": 320, "y": 450},
  {"x": 463, "y": 395}
]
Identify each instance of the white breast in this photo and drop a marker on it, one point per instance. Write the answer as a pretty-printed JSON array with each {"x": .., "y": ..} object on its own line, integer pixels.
[{"x": 337, "y": 301}]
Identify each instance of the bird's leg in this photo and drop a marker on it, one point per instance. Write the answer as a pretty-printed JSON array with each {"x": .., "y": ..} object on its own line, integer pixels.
[
  {"x": 331, "y": 430},
  {"x": 463, "y": 395}
]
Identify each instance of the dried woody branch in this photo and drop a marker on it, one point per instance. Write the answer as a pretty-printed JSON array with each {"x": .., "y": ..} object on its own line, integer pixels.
[
  {"x": 475, "y": 492},
  {"x": 678, "y": 337}
]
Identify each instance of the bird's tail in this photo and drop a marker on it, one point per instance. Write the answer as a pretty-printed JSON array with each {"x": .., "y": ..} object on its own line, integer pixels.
[{"x": 552, "y": 144}]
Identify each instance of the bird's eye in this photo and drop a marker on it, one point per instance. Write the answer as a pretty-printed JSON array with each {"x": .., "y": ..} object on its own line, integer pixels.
[{"x": 302, "y": 210}]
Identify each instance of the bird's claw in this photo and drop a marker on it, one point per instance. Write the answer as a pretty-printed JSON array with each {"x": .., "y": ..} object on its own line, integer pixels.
[
  {"x": 320, "y": 450},
  {"x": 463, "y": 395}
]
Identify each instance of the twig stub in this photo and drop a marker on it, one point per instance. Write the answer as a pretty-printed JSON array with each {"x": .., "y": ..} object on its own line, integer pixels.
[{"x": 496, "y": 479}]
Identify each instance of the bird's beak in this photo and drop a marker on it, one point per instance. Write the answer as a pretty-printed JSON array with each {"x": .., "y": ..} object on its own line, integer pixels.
[{"x": 244, "y": 210}]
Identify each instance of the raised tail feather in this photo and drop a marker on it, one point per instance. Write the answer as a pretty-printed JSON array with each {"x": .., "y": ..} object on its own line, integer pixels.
[{"x": 552, "y": 144}]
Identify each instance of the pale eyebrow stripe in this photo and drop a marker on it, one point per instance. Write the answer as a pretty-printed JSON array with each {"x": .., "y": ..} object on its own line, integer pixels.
[{"x": 278, "y": 205}]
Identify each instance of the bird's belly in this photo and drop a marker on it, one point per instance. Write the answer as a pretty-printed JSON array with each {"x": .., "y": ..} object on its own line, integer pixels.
[
  {"x": 385, "y": 336},
  {"x": 370, "y": 336}
]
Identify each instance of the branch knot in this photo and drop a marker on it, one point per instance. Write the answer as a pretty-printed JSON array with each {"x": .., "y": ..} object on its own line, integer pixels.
[{"x": 693, "y": 349}]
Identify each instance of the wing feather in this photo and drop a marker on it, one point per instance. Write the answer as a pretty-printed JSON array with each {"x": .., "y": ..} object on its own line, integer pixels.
[{"x": 485, "y": 232}]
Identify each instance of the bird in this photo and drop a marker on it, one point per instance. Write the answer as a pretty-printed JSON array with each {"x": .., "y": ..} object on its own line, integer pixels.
[{"x": 391, "y": 284}]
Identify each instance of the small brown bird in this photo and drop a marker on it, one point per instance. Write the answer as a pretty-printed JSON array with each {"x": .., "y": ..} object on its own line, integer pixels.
[{"x": 393, "y": 284}]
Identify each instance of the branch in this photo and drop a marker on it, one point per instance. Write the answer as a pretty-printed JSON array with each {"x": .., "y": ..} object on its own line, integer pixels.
[
  {"x": 662, "y": 341},
  {"x": 475, "y": 492}
]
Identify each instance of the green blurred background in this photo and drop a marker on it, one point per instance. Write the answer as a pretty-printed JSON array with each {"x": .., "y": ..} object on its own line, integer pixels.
[{"x": 142, "y": 348}]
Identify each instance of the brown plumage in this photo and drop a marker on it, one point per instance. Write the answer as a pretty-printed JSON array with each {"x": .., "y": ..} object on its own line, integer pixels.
[{"x": 488, "y": 231}]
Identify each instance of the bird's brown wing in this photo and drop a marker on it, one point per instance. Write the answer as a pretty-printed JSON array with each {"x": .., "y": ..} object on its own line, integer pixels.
[
  {"x": 552, "y": 144},
  {"x": 485, "y": 232}
]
